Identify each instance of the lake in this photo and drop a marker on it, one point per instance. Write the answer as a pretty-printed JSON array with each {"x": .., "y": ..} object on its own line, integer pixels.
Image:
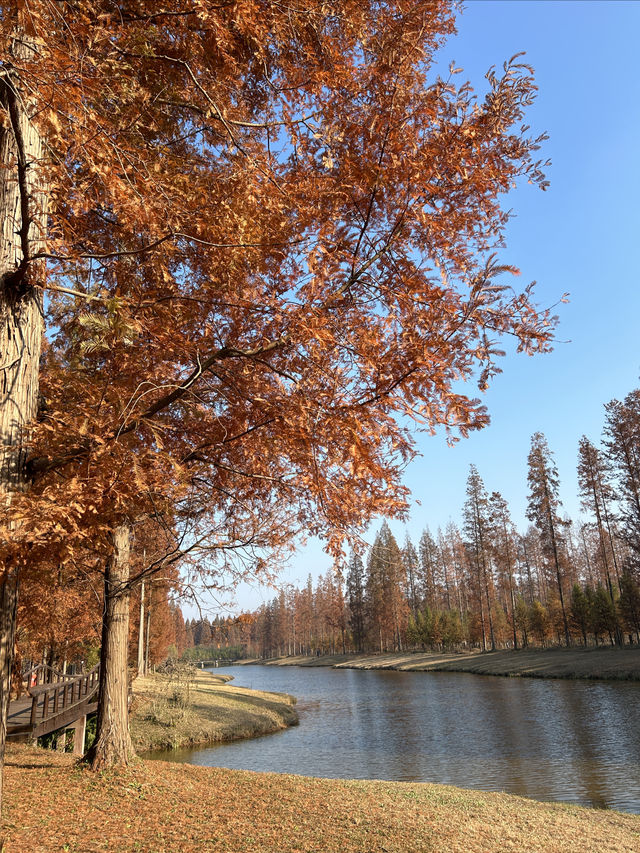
[{"x": 569, "y": 741}]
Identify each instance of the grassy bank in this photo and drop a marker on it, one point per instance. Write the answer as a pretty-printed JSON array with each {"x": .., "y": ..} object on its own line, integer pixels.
[
  {"x": 604, "y": 662},
  {"x": 159, "y": 807},
  {"x": 170, "y": 712}
]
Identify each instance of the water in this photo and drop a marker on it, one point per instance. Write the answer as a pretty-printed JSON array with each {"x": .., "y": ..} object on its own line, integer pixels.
[{"x": 569, "y": 741}]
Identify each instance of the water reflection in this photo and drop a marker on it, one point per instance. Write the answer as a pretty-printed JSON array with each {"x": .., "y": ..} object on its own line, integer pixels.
[{"x": 552, "y": 740}]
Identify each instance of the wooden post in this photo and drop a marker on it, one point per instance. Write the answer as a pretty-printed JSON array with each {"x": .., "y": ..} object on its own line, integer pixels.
[
  {"x": 146, "y": 659},
  {"x": 61, "y": 742},
  {"x": 141, "y": 668},
  {"x": 79, "y": 730}
]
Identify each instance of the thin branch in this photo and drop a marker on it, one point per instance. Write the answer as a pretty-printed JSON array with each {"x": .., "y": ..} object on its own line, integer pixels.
[{"x": 174, "y": 235}]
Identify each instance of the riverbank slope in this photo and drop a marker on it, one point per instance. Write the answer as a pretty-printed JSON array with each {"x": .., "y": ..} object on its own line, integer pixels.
[
  {"x": 204, "y": 708},
  {"x": 52, "y": 804},
  {"x": 603, "y": 662}
]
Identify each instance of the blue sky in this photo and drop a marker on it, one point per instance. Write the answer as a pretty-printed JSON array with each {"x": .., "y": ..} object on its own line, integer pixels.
[{"x": 581, "y": 236}]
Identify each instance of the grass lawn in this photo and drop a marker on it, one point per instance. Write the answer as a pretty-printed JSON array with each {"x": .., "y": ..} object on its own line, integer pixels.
[
  {"x": 169, "y": 713},
  {"x": 54, "y": 805}
]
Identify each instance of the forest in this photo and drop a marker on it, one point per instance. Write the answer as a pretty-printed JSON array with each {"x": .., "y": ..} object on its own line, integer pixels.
[
  {"x": 481, "y": 583},
  {"x": 478, "y": 584}
]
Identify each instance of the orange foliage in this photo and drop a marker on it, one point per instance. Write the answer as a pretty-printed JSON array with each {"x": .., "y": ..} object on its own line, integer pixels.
[{"x": 270, "y": 235}]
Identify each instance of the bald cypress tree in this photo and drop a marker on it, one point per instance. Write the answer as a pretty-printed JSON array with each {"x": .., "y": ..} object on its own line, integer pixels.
[{"x": 622, "y": 441}]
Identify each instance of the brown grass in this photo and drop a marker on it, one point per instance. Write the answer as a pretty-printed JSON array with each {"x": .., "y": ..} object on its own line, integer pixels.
[
  {"x": 604, "y": 662},
  {"x": 158, "y": 807},
  {"x": 166, "y": 715}
]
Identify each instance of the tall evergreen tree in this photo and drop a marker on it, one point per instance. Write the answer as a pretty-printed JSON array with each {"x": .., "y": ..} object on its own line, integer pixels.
[
  {"x": 477, "y": 530},
  {"x": 542, "y": 510},
  {"x": 356, "y": 600}
]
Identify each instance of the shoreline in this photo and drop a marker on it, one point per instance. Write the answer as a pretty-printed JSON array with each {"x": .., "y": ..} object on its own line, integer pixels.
[
  {"x": 606, "y": 663},
  {"x": 166, "y": 715}
]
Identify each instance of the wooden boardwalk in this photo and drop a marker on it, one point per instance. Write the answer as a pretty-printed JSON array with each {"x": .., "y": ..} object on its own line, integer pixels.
[{"x": 53, "y": 701}]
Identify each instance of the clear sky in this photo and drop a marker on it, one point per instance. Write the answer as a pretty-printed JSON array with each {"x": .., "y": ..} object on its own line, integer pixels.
[{"x": 582, "y": 236}]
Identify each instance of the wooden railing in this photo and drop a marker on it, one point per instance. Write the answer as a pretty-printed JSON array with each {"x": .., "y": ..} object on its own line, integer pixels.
[
  {"x": 43, "y": 674},
  {"x": 57, "y": 697}
]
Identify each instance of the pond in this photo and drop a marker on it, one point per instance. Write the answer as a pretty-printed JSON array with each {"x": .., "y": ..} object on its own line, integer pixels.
[{"x": 569, "y": 741}]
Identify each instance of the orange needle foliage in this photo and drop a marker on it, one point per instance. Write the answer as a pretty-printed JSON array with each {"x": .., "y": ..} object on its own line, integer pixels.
[{"x": 270, "y": 235}]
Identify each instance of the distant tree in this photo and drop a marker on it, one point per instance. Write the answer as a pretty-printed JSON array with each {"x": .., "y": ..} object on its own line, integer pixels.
[
  {"x": 539, "y": 621},
  {"x": 179, "y": 629},
  {"x": 543, "y": 505},
  {"x": 412, "y": 568},
  {"x": 428, "y": 551},
  {"x": 580, "y": 611},
  {"x": 477, "y": 529},
  {"x": 604, "y": 618},
  {"x": 622, "y": 441},
  {"x": 629, "y": 604},
  {"x": 504, "y": 550},
  {"x": 522, "y": 619},
  {"x": 451, "y": 629},
  {"x": 597, "y": 494},
  {"x": 386, "y": 581},
  {"x": 356, "y": 600}
]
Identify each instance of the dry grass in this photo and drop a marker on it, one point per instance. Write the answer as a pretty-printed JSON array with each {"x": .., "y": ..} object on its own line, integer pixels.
[
  {"x": 158, "y": 807},
  {"x": 169, "y": 713},
  {"x": 604, "y": 662}
]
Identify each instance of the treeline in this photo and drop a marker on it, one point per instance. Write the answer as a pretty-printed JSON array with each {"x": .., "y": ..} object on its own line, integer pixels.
[{"x": 482, "y": 583}]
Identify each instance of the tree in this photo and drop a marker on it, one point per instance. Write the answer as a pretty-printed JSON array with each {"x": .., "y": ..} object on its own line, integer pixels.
[
  {"x": 603, "y": 613},
  {"x": 356, "y": 600},
  {"x": 542, "y": 509},
  {"x": 428, "y": 556},
  {"x": 597, "y": 494},
  {"x": 386, "y": 581},
  {"x": 23, "y": 212},
  {"x": 503, "y": 536},
  {"x": 411, "y": 566},
  {"x": 278, "y": 239},
  {"x": 622, "y": 431},
  {"x": 477, "y": 528},
  {"x": 539, "y": 621},
  {"x": 580, "y": 608},
  {"x": 629, "y": 604}
]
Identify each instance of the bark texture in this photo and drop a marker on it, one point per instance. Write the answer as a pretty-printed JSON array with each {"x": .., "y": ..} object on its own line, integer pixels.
[
  {"x": 22, "y": 232},
  {"x": 113, "y": 743}
]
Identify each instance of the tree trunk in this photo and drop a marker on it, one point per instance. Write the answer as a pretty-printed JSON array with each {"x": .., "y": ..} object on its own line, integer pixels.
[
  {"x": 113, "y": 744},
  {"x": 22, "y": 229}
]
